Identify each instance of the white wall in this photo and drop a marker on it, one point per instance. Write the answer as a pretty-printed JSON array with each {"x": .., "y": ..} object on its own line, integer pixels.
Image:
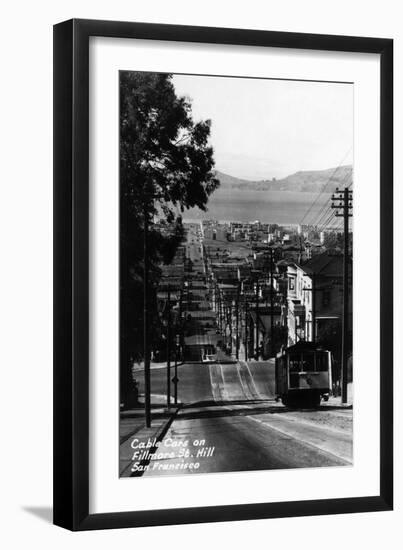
[{"x": 26, "y": 241}]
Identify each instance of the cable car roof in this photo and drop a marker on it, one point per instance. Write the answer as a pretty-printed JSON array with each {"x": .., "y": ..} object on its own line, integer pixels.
[{"x": 303, "y": 345}]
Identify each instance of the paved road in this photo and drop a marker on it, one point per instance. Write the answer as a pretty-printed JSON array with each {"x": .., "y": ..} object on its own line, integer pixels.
[
  {"x": 193, "y": 247},
  {"x": 242, "y": 437},
  {"x": 231, "y": 408},
  {"x": 229, "y": 420},
  {"x": 200, "y": 382}
]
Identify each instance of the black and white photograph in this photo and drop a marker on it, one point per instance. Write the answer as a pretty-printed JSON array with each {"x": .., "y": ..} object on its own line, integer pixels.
[
  {"x": 236, "y": 263},
  {"x": 200, "y": 274}
]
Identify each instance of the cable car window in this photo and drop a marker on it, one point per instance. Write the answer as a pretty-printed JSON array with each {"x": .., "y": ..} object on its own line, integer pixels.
[
  {"x": 308, "y": 361},
  {"x": 295, "y": 362},
  {"x": 322, "y": 361}
]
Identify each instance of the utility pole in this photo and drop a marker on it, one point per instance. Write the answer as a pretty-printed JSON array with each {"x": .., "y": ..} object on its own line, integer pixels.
[
  {"x": 246, "y": 330},
  {"x": 313, "y": 290},
  {"x": 223, "y": 324},
  {"x": 272, "y": 349},
  {"x": 178, "y": 342},
  {"x": 343, "y": 209},
  {"x": 313, "y": 307},
  {"x": 147, "y": 386},
  {"x": 285, "y": 303},
  {"x": 187, "y": 296},
  {"x": 230, "y": 324},
  {"x": 237, "y": 322},
  {"x": 257, "y": 319},
  {"x": 169, "y": 349},
  {"x": 175, "y": 378},
  {"x": 225, "y": 319},
  {"x": 219, "y": 308}
]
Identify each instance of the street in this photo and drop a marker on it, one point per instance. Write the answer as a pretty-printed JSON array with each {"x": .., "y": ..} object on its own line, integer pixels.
[
  {"x": 229, "y": 421},
  {"x": 226, "y": 417}
]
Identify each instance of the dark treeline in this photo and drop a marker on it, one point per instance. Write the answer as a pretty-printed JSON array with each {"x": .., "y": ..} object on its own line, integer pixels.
[{"x": 166, "y": 166}]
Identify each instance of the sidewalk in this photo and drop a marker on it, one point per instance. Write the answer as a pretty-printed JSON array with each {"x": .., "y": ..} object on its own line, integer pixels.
[
  {"x": 132, "y": 426},
  {"x": 336, "y": 400},
  {"x": 139, "y": 367}
]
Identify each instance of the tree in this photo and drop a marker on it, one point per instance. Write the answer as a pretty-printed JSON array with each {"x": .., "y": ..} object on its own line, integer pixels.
[{"x": 166, "y": 166}]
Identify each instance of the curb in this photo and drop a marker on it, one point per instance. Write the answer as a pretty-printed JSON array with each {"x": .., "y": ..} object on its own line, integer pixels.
[{"x": 158, "y": 435}]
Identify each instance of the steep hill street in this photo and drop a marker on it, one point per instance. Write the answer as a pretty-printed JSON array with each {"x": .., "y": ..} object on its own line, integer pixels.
[{"x": 226, "y": 417}]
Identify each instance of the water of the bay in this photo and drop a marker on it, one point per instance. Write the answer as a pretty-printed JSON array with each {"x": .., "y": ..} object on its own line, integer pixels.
[{"x": 282, "y": 207}]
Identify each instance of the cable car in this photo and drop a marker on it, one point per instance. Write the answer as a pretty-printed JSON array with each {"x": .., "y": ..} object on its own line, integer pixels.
[
  {"x": 303, "y": 375},
  {"x": 209, "y": 354}
]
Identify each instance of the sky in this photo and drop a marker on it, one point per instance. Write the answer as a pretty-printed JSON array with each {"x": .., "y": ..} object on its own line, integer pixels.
[{"x": 273, "y": 128}]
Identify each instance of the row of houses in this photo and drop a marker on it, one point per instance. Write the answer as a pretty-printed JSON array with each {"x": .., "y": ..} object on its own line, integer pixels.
[
  {"x": 255, "y": 305},
  {"x": 269, "y": 309}
]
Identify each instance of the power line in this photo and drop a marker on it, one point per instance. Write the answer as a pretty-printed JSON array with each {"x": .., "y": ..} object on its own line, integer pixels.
[
  {"x": 323, "y": 212},
  {"x": 323, "y": 216},
  {"x": 324, "y": 188},
  {"x": 328, "y": 221}
]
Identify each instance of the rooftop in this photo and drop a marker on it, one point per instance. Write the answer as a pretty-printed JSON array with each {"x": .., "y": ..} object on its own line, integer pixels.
[{"x": 325, "y": 264}]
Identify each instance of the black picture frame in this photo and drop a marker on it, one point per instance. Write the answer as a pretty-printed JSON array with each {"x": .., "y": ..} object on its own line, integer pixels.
[{"x": 71, "y": 273}]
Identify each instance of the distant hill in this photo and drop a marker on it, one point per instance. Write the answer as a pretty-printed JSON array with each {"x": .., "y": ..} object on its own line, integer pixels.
[{"x": 304, "y": 181}]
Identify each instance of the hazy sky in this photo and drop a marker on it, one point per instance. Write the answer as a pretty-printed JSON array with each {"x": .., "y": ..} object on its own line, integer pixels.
[{"x": 272, "y": 128}]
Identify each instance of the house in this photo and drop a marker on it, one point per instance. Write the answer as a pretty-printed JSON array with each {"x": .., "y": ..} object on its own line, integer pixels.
[
  {"x": 259, "y": 321},
  {"x": 315, "y": 300}
]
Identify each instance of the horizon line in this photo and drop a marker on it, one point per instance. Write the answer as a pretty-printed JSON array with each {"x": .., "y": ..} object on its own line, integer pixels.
[{"x": 225, "y": 173}]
